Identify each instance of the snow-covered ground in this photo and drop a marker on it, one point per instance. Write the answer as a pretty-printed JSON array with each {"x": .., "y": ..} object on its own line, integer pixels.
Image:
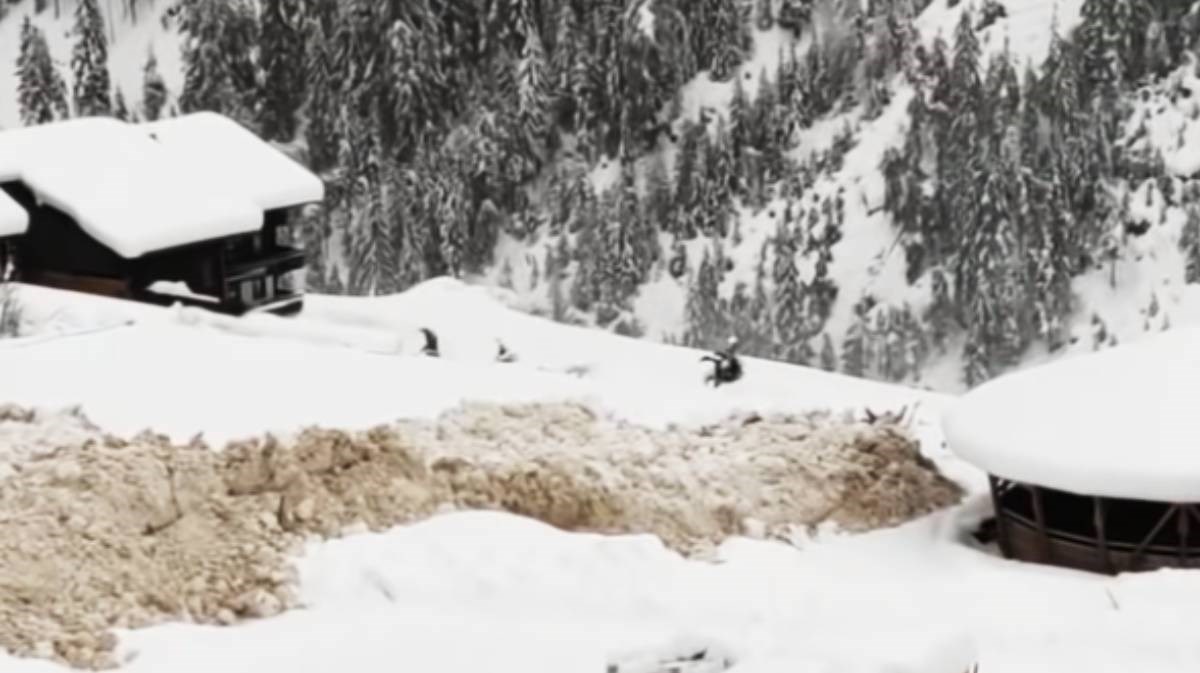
[{"x": 471, "y": 591}]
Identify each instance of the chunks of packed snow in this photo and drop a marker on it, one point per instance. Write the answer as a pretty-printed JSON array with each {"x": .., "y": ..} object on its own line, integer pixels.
[
  {"x": 1120, "y": 423},
  {"x": 224, "y": 150},
  {"x": 135, "y": 194},
  {"x": 13, "y": 218}
]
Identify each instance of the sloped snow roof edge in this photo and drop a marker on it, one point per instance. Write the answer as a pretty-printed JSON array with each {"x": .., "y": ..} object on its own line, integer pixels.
[{"x": 13, "y": 218}]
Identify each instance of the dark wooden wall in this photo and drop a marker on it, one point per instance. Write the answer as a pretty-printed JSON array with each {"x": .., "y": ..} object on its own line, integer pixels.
[{"x": 54, "y": 242}]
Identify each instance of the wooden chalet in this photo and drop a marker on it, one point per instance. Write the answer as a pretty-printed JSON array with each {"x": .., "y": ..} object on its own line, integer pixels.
[{"x": 193, "y": 209}]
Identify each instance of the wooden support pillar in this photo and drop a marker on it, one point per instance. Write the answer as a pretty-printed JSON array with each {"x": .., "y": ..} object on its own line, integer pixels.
[
  {"x": 1002, "y": 532},
  {"x": 1098, "y": 516},
  {"x": 1039, "y": 515},
  {"x": 1182, "y": 527}
]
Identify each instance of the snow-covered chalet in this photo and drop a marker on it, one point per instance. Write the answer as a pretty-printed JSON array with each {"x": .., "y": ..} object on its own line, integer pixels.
[
  {"x": 194, "y": 209},
  {"x": 1093, "y": 460}
]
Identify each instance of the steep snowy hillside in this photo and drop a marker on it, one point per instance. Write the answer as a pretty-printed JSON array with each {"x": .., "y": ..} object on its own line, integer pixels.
[
  {"x": 785, "y": 170},
  {"x": 134, "y": 31}
]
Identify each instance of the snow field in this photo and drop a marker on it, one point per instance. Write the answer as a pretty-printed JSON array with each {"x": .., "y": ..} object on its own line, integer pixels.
[{"x": 467, "y": 590}]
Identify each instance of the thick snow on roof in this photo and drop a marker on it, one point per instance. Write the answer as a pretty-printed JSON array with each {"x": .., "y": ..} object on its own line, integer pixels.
[
  {"x": 13, "y": 218},
  {"x": 222, "y": 147},
  {"x": 136, "y": 195},
  {"x": 1121, "y": 423}
]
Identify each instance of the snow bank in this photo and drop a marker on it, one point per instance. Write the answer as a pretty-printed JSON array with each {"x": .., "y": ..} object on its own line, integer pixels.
[
  {"x": 143, "y": 531},
  {"x": 1119, "y": 423}
]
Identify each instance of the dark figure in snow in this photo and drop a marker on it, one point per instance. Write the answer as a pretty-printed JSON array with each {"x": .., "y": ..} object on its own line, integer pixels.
[
  {"x": 992, "y": 11},
  {"x": 503, "y": 354},
  {"x": 431, "y": 343},
  {"x": 727, "y": 368}
]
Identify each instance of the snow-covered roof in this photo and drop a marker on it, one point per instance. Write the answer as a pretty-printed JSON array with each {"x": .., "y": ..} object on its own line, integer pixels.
[
  {"x": 1122, "y": 422},
  {"x": 138, "y": 194},
  {"x": 230, "y": 152},
  {"x": 13, "y": 218}
]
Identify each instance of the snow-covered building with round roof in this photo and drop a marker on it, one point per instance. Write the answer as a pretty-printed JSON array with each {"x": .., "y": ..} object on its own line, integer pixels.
[{"x": 1094, "y": 460}]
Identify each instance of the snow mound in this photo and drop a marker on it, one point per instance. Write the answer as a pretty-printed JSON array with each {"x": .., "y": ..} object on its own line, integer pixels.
[{"x": 105, "y": 533}]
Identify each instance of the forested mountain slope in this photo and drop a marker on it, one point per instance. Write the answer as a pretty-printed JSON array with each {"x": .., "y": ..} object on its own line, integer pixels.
[{"x": 929, "y": 192}]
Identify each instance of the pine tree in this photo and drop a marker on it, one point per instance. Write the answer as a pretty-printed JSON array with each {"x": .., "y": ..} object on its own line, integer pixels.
[
  {"x": 966, "y": 87},
  {"x": 281, "y": 53},
  {"x": 533, "y": 96},
  {"x": 41, "y": 92},
  {"x": 321, "y": 110},
  {"x": 828, "y": 357},
  {"x": 702, "y": 310},
  {"x": 1189, "y": 244},
  {"x": 120, "y": 108},
  {"x": 788, "y": 296},
  {"x": 154, "y": 89},
  {"x": 89, "y": 62},
  {"x": 220, "y": 40},
  {"x": 855, "y": 359}
]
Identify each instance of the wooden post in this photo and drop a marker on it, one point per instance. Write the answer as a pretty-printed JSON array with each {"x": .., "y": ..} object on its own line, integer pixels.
[
  {"x": 1141, "y": 548},
  {"x": 1099, "y": 516},
  {"x": 1001, "y": 519},
  {"x": 1039, "y": 514},
  {"x": 1182, "y": 527}
]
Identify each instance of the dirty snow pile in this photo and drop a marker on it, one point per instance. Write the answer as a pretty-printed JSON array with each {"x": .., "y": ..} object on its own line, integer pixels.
[{"x": 102, "y": 533}]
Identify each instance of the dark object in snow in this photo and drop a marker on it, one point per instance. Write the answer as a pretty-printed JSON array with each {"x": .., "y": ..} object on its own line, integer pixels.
[
  {"x": 431, "y": 343},
  {"x": 503, "y": 354},
  {"x": 1137, "y": 227},
  {"x": 986, "y": 532},
  {"x": 680, "y": 658},
  {"x": 727, "y": 368},
  {"x": 993, "y": 10}
]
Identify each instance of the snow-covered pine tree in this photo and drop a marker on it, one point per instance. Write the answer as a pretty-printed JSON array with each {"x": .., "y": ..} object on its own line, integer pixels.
[
  {"x": 219, "y": 44},
  {"x": 321, "y": 108},
  {"x": 281, "y": 55},
  {"x": 1189, "y": 244},
  {"x": 855, "y": 359},
  {"x": 154, "y": 89},
  {"x": 92, "y": 89},
  {"x": 689, "y": 179},
  {"x": 703, "y": 310},
  {"x": 966, "y": 87},
  {"x": 788, "y": 297},
  {"x": 828, "y": 356},
  {"x": 120, "y": 108},
  {"x": 657, "y": 206},
  {"x": 533, "y": 97},
  {"x": 41, "y": 92}
]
